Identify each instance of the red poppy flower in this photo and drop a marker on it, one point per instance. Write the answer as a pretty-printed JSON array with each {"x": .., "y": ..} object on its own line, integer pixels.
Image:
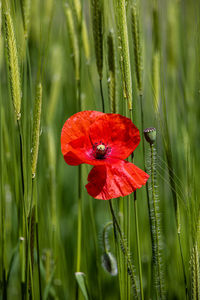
[{"x": 104, "y": 141}]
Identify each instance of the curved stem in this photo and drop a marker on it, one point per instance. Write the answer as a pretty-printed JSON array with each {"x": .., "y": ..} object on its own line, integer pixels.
[
  {"x": 124, "y": 249},
  {"x": 104, "y": 236}
]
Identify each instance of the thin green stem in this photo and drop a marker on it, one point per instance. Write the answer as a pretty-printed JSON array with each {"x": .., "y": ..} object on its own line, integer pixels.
[
  {"x": 157, "y": 239},
  {"x": 102, "y": 97},
  {"x": 28, "y": 260},
  {"x": 98, "y": 266},
  {"x": 168, "y": 152},
  {"x": 138, "y": 245},
  {"x": 4, "y": 281},
  {"x": 38, "y": 250},
  {"x": 183, "y": 265},
  {"x": 137, "y": 229},
  {"x": 129, "y": 241},
  {"x": 124, "y": 249},
  {"x": 78, "y": 264},
  {"x": 145, "y": 168},
  {"x": 24, "y": 215}
]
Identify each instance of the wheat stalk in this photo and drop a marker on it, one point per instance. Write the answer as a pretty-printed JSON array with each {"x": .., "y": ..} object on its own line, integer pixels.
[
  {"x": 195, "y": 273},
  {"x": 111, "y": 70},
  {"x": 137, "y": 47},
  {"x": 97, "y": 22},
  {"x": 26, "y": 5},
  {"x": 82, "y": 25},
  {"x": 124, "y": 50},
  {"x": 73, "y": 40}
]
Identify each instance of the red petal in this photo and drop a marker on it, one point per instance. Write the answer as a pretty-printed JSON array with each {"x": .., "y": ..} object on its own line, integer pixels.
[
  {"x": 115, "y": 180},
  {"x": 117, "y": 132},
  {"x": 80, "y": 151},
  {"x": 77, "y": 126}
]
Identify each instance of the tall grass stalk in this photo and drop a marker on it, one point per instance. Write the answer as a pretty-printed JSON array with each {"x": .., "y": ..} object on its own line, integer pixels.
[
  {"x": 83, "y": 28},
  {"x": 26, "y": 7},
  {"x": 168, "y": 153},
  {"x": 56, "y": 83},
  {"x": 76, "y": 42},
  {"x": 123, "y": 41},
  {"x": 15, "y": 91},
  {"x": 94, "y": 230},
  {"x": 127, "y": 83},
  {"x": 97, "y": 25},
  {"x": 73, "y": 41},
  {"x": 34, "y": 159},
  {"x": 195, "y": 273},
  {"x": 2, "y": 206},
  {"x": 111, "y": 72},
  {"x": 137, "y": 48}
]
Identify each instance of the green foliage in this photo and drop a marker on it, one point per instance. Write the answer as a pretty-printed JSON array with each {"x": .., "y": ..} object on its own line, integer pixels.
[{"x": 56, "y": 48}]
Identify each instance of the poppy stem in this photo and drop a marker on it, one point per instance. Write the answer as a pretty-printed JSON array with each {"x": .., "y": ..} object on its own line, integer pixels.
[
  {"x": 79, "y": 233},
  {"x": 79, "y": 236},
  {"x": 145, "y": 168},
  {"x": 156, "y": 227},
  {"x": 124, "y": 249}
]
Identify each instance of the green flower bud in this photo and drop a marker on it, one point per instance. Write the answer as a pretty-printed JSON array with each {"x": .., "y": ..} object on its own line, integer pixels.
[
  {"x": 109, "y": 263},
  {"x": 150, "y": 135}
]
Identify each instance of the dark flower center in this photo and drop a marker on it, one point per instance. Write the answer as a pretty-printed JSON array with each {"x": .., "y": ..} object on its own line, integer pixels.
[{"x": 101, "y": 150}]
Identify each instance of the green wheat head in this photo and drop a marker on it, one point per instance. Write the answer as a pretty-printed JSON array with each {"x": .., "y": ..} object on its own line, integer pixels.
[
  {"x": 97, "y": 24},
  {"x": 111, "y": 72},
  {"x": 36, "y": 128},
  {"x": 73, "y": 40},
  {"x": 121, "y": 21},
  {"x": 13, "y": 63},
  {"x": 137, "y": 47}
]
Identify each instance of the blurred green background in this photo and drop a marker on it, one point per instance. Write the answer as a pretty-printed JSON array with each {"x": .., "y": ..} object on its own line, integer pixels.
[{"x": 177, "y": 38}]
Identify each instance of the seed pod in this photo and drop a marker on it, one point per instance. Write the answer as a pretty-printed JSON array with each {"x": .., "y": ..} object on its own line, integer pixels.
[
  {"x": 109, "y": 263},
  {"x": 150, "y": 135}
]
